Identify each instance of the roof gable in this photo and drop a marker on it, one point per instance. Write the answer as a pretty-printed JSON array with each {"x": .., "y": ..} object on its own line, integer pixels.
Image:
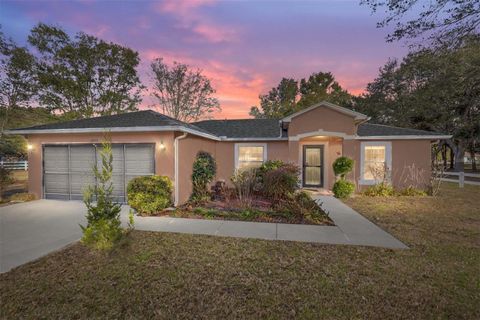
[{"x": 354, "y": 114}]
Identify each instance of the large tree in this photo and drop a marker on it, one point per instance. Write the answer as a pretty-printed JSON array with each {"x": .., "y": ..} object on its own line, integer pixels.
[
  {"x": 17, "y": 78},
  {"x": 435, "y": 90},
  {"x": 439, "y": 22},
  {"x": 291, "y": 95},
  {"x": 322, "y": 86},
  {"x": 84, "y": 76},
  {"x": 183, "y": 93},
  {"x": 279, "y": 101}
]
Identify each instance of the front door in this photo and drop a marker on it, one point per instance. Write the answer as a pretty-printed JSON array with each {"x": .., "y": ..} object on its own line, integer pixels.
[{"x": 313, "y": 166}]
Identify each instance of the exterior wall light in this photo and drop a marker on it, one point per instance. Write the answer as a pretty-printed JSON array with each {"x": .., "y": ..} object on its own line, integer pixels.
[
  {"x": 29, "y": 147},
  {"x": 161, "y": 146}
]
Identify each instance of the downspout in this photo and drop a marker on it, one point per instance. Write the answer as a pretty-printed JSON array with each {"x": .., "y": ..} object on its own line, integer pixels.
[{"x": 177, "y": 191}]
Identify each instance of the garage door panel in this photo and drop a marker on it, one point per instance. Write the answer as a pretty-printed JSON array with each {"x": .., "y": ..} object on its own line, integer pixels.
[
  {"x": 82, "y": 159},
  {"x": 56, "y": 185},
  {"x": 139, "y": 160},
  {"x": 56, "y": 159},
  {"x": 79, "y": 182}
]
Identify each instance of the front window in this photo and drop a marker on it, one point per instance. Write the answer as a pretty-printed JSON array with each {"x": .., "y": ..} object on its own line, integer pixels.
[
  {"x": 376, "y": 161},
  {"x": 250, "y": 156}
]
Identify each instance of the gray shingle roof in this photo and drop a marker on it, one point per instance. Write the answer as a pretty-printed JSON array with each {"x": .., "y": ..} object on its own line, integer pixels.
[
  {"x": 145, "y": 118},
  {"x": 370, "y": 129},
  {"x": 242, "y": 128}
]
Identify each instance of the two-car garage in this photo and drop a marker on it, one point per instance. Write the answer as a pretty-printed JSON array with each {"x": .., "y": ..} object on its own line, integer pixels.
[{"x": 67, "y": 169}]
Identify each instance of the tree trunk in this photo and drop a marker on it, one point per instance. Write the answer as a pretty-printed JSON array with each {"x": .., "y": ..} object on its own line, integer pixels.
[
  {"x": 472, "y": 155},
  {"x": 458, "y": 151},
  {"x": 444, "y": 155}
]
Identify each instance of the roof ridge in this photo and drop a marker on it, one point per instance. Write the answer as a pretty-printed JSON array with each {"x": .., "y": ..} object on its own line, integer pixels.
[{"x": 246, "y": 119}]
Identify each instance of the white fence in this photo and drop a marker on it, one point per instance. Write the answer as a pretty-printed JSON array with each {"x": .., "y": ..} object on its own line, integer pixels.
[
  {"x": 14, "y": 165},
  {"x": 461, "y": 178}
]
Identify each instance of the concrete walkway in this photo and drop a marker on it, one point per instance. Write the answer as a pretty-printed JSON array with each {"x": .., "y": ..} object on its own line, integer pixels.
[{"x": 350, "y": 228}]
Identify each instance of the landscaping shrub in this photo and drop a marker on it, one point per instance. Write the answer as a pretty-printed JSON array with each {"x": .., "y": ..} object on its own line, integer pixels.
[
  {"x": 103, "y": 214},
  {"x": 102, "y": 234},
  {"x": 380, "y": 190},
  {"x": 270, "y": 165},
  {"x": 245, "y": 183},
  {"x": 5, "y": 179},
  {"x": 149, "y": 194},
  {"x": 301, "y": 205},
  {"x": 343, "y": 188},
  {"x": 342, "y": 166},
  {"x": 204, "y": 169},
  {"x": 280, "y": 182},
  {"x": 22, "y": 197}
]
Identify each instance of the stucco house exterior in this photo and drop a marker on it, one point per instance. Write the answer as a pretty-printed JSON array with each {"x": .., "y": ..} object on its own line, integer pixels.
[{"x": 61, "y": 155}]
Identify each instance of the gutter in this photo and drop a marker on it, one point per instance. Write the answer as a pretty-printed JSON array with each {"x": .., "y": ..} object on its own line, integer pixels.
[
  {"x": 176, "y": 187},
  {"x": 115, "y": 129}
]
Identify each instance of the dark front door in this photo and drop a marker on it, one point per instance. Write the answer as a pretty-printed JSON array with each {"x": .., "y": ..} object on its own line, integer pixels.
[{"x": 313, "y": 166}]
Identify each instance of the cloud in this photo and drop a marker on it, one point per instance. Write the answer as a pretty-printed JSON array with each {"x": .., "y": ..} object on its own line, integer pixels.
[{"x": 189, "y": 17}]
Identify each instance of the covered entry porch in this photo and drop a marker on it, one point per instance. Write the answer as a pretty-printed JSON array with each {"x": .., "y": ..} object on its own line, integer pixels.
[{"x": 315, "y": 155}]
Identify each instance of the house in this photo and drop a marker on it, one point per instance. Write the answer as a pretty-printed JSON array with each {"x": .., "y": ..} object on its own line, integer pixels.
[{"x": 61, "y": 155}]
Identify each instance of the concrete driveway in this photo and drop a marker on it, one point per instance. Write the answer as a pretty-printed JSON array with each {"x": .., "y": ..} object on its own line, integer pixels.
[{"x": 33, "y": 229}]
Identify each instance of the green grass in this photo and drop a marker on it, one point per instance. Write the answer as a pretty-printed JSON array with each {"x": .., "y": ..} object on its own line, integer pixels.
[{"x": 163, "y": 275}]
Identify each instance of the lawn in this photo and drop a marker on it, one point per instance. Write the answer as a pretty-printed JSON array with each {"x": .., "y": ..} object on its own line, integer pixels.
[{"x": 161, "y": 275}]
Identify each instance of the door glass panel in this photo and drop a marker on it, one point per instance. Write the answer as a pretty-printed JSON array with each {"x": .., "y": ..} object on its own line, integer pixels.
[
  {"x": 312, "y": 157},
  {"x": 312, "y": 175}
]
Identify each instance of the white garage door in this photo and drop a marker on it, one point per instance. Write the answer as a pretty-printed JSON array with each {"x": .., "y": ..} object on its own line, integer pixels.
[{"x": 67, "y": 169}]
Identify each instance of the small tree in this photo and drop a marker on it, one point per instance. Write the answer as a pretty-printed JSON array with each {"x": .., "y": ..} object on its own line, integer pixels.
[
  {"x": 5, "y": 180},
  {"x": 103, "y": 214},
  {"x": 341, "y": 167},
  {"x": 182, "y": 92},
  {"x": 204, "y": 169}
]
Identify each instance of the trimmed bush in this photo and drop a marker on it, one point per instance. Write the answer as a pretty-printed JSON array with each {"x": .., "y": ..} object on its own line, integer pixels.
[
  {"x": 342, "y": 166},
  {"x": 149, "y": 194},
  {"x": 380, "y": 190},
  {"x": 204, "y": 170},
  {"x": 343, "y": 188}
]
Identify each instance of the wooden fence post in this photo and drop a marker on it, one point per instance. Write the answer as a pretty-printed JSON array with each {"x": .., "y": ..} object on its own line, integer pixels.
[{"x": 461, "y": 179}]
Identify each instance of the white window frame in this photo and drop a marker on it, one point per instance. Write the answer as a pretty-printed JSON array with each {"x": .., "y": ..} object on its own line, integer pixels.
[
  {"x": 238, "y": 145},
  {"x": 388, "y": 159}
]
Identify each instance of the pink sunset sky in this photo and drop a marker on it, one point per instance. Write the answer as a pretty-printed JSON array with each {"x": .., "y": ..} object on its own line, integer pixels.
[{"x": 244, "y": 47}]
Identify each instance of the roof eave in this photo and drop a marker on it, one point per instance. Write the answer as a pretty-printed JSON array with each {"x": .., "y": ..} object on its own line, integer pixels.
[
  {"x": 113, "y": 129},
  {"x": 405, "y": 137}
]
